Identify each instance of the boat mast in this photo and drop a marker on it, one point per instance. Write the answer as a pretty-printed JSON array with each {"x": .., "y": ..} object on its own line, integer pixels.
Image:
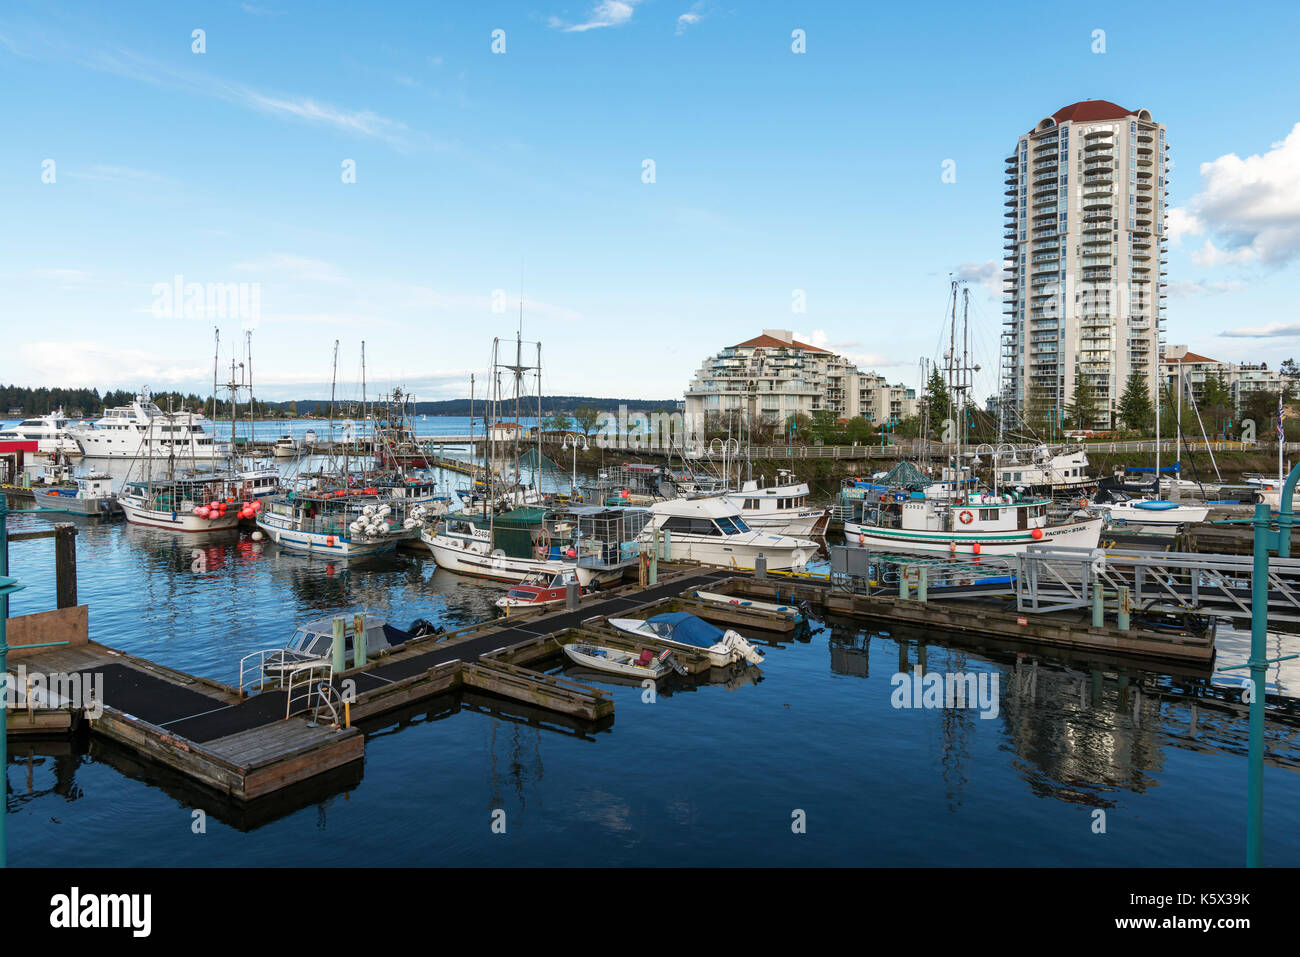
[
  {"x": 365, "y": 414},
  {"x": 334, "y": 377}
]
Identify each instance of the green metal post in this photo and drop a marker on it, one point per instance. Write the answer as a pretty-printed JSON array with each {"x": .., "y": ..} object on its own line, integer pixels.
[
  {"x": 340, "y": 653},
  {"x": 359, "y": 640},
  {"x": 921, "y": 584},
  {"x": 1098, "y": 609},
  {"x": 1258, "y": 667},
  {"x": 1125, "y": 607},
  {"x": 904, "y": 592}
]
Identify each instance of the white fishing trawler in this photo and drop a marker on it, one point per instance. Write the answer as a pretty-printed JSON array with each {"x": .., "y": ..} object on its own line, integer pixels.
[
  {"x": 781, "y": 508},
  {"x": 51, "y": 433},
  {"x": 974, "y": 524},
  {"x": 1049, "y": 472},
  {"x": 184, "y": 502},
  {"x": 141, "y": 429},
  {"x": 711, "y": 530}
]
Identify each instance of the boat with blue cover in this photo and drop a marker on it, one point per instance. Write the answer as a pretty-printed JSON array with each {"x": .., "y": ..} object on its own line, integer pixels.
[{"x": 683, "y": 630}]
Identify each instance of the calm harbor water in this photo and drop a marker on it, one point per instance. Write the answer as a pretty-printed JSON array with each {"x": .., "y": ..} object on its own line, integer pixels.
[{"x": 706, "y": 775}]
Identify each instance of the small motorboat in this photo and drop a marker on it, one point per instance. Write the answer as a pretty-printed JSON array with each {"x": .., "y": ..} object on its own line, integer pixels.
[
  {"x": 539, "y": 588},
  {"x": 790, "y": 611},
  {"x": 691, "y": 633},
  {"x": 643, "y": 664}
]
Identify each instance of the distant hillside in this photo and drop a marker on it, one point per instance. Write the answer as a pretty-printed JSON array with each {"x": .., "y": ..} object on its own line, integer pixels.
[{"x": 550, "y": 405}]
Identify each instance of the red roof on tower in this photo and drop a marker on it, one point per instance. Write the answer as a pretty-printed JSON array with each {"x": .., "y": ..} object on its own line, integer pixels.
[
  {"x": 775, "y": 343},
  {"x": 1086, "y": 111}
]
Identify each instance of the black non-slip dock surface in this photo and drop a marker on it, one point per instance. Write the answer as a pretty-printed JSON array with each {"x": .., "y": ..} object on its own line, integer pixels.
[{"x": 201, "y": 717}]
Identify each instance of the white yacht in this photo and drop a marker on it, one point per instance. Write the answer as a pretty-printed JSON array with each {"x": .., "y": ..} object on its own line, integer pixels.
[
  {"x": 781, "y": 508},
  {"x": 972, "y": 524},
  {"x": 51, "y": 433},
  {"x": 712, "y": 530},
  {"x": 141, "y": 429}
]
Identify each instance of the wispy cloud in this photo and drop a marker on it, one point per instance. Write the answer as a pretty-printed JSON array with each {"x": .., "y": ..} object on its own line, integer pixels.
[
  {"x": 1202, "y": 287},
  {"x": 283, "y": 266},
  {"x": 690, "y": 17},
  {"x": 1276, "y": 330},
  {"x": 606, "y": 13}
]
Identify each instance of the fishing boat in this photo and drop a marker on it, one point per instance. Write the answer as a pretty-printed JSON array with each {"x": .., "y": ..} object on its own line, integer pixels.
[
  {"x": 1049, "y": 472},
  {"x": 642, "y": 664},
  {"x": 51, "y": 433},
  {"x": 711, "y": 530},
  {"x": 90, "y": 494},
  {"x": 512, "y": 546},
  {"x": 348, "y": 522},
  {"x": 975, "y": 524},
  {"x": 539, "y": 588},
  {"x": 142, "y": 429},
  {"x": 781, "y": 508},
  {"x": 686, "y": 631},
  {"x": 184, "y": 502}
]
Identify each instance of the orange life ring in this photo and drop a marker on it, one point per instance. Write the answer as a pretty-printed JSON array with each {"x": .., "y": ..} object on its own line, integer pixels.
[
  {"x": 966, "y": 517},
  {"x": 1083, "y": 502}
]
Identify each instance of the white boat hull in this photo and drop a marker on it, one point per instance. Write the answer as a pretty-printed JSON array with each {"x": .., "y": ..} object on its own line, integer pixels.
[
  {"x": 1132, "y": 515},
  {"x": 1080, "y": 534},
  {"x": 320, "y": 543},
  {"x": 449, "y": 554},
  {"x": 799, "y": 524},
  {"x": 740, "y": 551},
  {"x": 614, "y": 661},
  {"x": 185, "y": 521}
]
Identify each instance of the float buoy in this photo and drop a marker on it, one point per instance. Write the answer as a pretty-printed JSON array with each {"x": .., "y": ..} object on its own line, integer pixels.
[
  {"x": 966, "y": 517},
  {"x": 1036, "y": 534}
]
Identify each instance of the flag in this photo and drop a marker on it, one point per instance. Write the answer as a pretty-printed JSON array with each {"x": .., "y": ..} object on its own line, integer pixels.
[{"x": 1281, "y": 414}]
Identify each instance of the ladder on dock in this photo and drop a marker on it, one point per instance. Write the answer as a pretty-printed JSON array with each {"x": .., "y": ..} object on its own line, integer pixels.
[{"x": 1056, "y": 578}]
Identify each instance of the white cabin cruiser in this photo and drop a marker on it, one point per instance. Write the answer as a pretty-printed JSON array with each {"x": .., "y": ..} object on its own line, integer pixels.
[
  {"x": 141, "y": 430},
  {"x": 712, "y": 530},
  {"x": 51, "y": 433},
  {"x": 1115, "y": 506},
  {"x": 781, "y": 508},
  {"x": 973, "y": 524}
]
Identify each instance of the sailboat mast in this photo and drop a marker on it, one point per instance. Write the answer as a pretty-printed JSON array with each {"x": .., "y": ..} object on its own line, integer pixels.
[{"x": 334, "y": 378}]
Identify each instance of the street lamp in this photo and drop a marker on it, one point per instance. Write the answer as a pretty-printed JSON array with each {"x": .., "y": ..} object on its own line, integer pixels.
[{"x": 572, "y": 440}]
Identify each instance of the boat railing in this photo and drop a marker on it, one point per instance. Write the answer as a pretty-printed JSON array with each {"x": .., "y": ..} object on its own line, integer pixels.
[
  {"x": 255, "y": 675},
  {"x": 310, "y": 687}
]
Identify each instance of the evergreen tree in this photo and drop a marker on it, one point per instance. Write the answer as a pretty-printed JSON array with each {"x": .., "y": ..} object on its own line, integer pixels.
[
  {"x": 1081, "y": 410},
  {"x": 1135, "y": 408},
  {"x": 935, "y": 402}
]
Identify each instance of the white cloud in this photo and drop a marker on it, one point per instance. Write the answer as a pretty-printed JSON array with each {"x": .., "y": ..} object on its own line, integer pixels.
[
  {"x": 987, "y": 275},
  {"x": 690, "y": 17},
  {"x": 282, "y": 266},
  {"x": 1202, "y": 287},
  {"x": 1251, "y": 205},
  {"x": 606, "y": 13},
  {"x": 84, "y": 362},
  {"x": 1274, "y": 330}
]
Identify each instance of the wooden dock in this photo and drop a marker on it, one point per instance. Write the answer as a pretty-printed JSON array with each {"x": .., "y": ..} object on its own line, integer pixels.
[
  {"x": 244, "y": 748},
  {"x": 1072, "y": 631}
]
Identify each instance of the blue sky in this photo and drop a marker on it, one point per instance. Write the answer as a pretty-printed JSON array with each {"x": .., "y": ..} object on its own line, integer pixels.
[{"x": 774, "y": 172}]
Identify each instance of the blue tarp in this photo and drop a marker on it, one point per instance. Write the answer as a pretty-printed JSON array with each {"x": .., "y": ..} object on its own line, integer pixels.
[{"x": 689, "y": 630}]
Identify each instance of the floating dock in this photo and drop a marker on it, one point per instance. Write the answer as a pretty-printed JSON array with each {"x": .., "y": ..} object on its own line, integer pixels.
[{"x": 247, "y": 747}]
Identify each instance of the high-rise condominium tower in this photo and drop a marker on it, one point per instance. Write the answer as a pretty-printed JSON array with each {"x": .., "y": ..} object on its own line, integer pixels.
[{"x": 1086, "y": 192}]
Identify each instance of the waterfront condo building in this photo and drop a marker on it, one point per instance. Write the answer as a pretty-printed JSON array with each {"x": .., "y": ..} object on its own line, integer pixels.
[
  {"x": 775, "y": 376},
  {"x": 1086, "y": 192}
]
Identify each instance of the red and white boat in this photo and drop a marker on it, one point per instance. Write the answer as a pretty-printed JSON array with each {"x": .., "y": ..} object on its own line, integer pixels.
[{"x": 539, "y": 588}]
